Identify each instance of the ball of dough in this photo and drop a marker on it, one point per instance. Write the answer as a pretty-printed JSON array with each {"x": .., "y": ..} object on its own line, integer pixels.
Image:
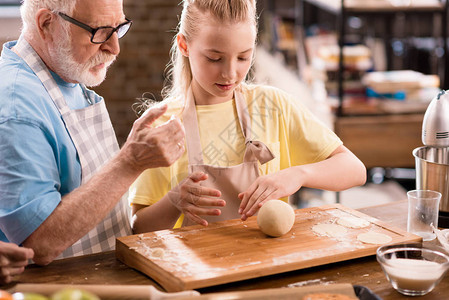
[{"x": 276, "y": 218}]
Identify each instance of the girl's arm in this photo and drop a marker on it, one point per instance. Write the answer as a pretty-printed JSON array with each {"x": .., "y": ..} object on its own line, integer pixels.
[
  {"x": 340, "y": 171},
  {"x": 160, "y": 215}
]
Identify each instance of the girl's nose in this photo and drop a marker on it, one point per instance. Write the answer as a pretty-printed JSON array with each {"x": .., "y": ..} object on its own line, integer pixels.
[{"x": 229, "y": 71}]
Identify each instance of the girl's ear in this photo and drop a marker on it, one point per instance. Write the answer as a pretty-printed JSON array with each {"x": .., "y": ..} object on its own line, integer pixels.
[{"x": 182, "y": 44}]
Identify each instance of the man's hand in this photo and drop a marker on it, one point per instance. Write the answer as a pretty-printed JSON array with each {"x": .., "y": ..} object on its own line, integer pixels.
[
  {"x": 152, "y": 147},
  {"x": 13, "y": 260}
]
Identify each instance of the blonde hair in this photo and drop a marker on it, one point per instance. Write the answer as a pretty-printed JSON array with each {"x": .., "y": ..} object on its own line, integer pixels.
[
  {"x": 29, "y": 9},
  {"x": 179, "y": 74}
]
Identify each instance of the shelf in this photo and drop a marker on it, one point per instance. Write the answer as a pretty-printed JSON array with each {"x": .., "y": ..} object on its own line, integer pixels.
[
  {"x": 379, "y": 6},
  {"x": 385, "y": 9},
  {"x": 382, "y": 141},
  {"x": 382, "y": 133}
]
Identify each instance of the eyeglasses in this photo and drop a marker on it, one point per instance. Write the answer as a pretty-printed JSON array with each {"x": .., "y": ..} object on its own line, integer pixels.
[{"x": 103, "y": 33}]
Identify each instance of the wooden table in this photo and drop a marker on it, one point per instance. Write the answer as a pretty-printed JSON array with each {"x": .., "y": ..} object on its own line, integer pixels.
[{"x": 104, "y": 268}]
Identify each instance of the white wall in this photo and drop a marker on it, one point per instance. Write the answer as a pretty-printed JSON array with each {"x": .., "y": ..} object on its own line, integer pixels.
[{"x": 10, "y": 23}]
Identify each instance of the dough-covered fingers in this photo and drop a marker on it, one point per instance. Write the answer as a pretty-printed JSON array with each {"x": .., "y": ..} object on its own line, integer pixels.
[
  {"x": 203, "y": 211},
  {"x": 197, "y": 176},
  {"x": 246, "y": 195},
  {"x": 195, "y": 218},
  {"x": 207, "y": 202},
  {"x": 201, "y": 196},
  {"x": 190, "y": 197},
  {"x": 194, "y": 213},
  {"x": 255, "y": 196},
  {"x": 258, "y": 201},
  {"x": 192, "y": 187},
  {"x": 251, "y": 197},
  {"x": 203, "y": 191}
]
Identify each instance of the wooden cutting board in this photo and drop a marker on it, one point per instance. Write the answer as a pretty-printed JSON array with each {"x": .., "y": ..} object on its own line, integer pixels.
[{"x": 196, "y": 256}]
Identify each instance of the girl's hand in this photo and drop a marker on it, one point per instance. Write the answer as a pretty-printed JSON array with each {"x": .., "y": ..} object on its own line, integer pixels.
[
  {"x": 192, "y": 199},
  {"x": 273, "y": 186},
  {"x": 13, "y": 260}
]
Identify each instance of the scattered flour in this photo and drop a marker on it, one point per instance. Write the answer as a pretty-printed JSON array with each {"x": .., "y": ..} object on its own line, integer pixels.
[
  {"x": 321, "y": 281},
  {"x": 331, "y": 230}
]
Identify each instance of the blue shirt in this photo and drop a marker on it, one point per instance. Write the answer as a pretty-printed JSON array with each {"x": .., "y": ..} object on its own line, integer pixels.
[{"x": 38, "y": 160}]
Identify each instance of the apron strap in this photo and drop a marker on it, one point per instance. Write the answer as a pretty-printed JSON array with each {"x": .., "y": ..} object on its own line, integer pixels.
[
  {"x": 243, "y": 115},
  {"x": 254, "y": 149},
  {"x": 36, "y": 64},
  {"x": 190, "y": 120}
]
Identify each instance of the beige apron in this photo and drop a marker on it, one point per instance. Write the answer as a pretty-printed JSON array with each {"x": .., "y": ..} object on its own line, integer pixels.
[
  {"x": 230, "y": 180},
  {"x": 93, "y": 136}
]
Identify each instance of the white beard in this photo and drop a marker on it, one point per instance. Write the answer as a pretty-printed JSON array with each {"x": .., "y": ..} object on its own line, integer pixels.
[{"x": 66, "y": 66}]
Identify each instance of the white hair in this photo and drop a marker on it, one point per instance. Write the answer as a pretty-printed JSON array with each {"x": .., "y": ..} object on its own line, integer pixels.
[{"x": 29, "y": 9}]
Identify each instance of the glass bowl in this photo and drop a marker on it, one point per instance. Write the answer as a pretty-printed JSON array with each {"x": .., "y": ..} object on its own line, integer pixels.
[{"x": 412, "y": 269}]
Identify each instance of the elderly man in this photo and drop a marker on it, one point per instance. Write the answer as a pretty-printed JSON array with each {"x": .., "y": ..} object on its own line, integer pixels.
[{"x": 62, "y": 176}]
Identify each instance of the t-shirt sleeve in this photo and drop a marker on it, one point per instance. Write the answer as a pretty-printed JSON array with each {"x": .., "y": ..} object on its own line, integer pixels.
[
  {"x": 149, "y": 187},
  {"x": 29, "y": 180},
  {"x": 308, "y": 139}
]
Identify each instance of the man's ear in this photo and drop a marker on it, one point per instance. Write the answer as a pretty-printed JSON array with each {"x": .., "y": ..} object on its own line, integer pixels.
[
  {"x": 182, "y": 44},
  {"x": 45, "y": 20}
]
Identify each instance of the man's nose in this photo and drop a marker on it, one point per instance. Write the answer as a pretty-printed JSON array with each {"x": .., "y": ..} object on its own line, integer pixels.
[{"x": 112, "y": 45}]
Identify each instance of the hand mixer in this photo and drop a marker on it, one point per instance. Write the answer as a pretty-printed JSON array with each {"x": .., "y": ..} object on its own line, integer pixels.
[
  {"x": 432, "y": 161},
  {"x": 435, "y": 127}
]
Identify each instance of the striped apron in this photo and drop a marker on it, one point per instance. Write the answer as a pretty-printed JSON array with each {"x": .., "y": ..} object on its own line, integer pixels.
[{"x": 93, "y": 136}]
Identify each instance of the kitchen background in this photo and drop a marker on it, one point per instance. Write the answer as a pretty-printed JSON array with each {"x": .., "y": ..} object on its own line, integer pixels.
[{"x": 291, "y": 33}]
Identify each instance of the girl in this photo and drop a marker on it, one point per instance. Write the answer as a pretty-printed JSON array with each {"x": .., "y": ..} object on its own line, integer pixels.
[{"x": 246, "y": 144}]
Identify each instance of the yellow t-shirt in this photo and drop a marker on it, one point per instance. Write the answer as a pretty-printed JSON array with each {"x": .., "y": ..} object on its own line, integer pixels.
[{"x": 292, "y": 133}]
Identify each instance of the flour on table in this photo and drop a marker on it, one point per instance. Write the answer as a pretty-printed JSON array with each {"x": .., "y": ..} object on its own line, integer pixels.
[
  {"x": 331, "y": 230},
  {"x": 353, "y": 222},
  {"x": 374, "y": 238},
  {"x": 157, "y": 253}
]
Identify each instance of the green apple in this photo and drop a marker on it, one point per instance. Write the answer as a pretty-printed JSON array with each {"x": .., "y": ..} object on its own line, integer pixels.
[
  {"x": 28, "y": 296},
  {"x": 73, "y": 294}
]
